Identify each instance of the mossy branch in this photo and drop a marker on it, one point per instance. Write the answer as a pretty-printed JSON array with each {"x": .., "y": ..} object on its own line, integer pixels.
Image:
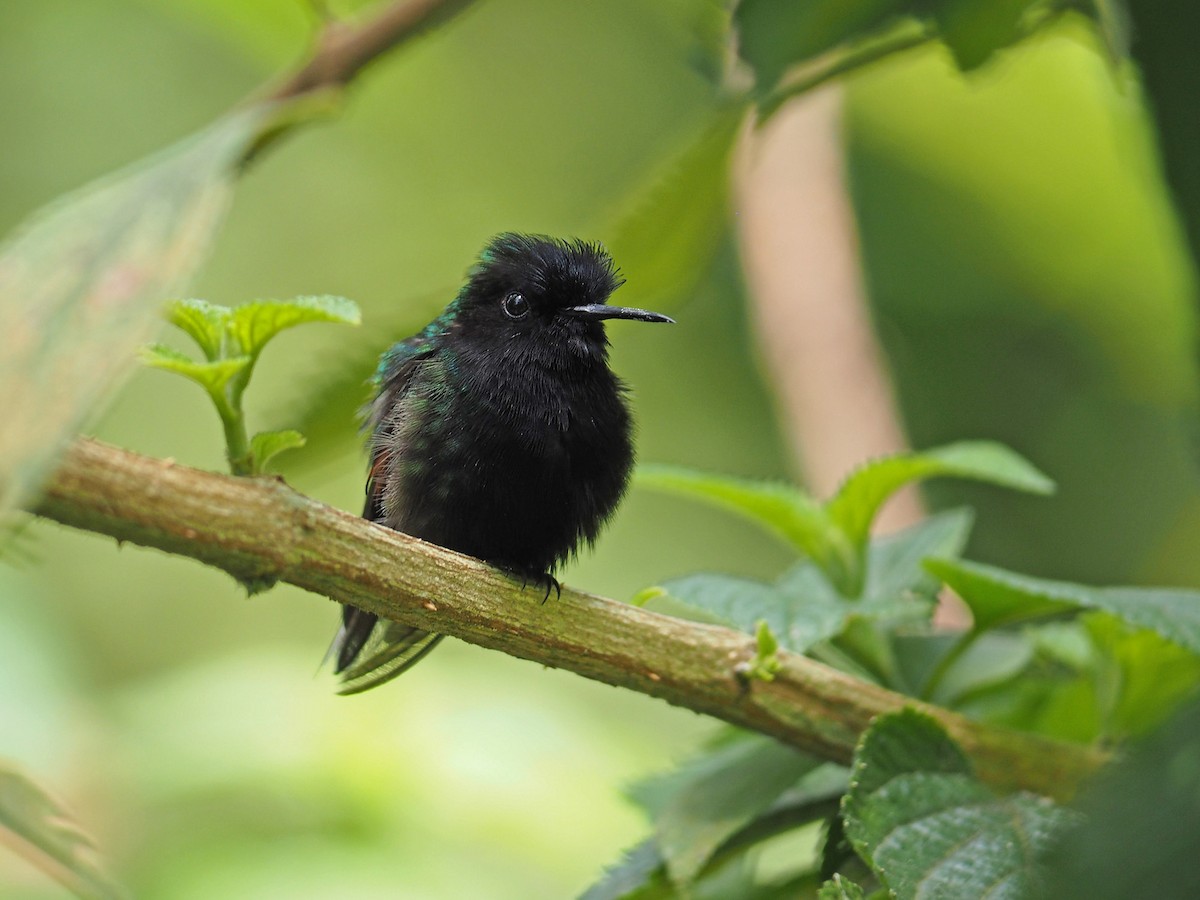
[{"x": 260, "y": 531}]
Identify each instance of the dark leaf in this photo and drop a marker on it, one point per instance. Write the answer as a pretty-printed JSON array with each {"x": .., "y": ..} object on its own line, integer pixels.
[
  {"x": 774, "y": 35},
  {"x": 975, "y": 29},
  {"x": 1141, "y": 834},
  {"x": 929, "y": 828}
]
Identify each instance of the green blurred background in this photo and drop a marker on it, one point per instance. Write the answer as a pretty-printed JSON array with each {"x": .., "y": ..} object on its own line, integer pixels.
[{"x": 1029, "y": 283}]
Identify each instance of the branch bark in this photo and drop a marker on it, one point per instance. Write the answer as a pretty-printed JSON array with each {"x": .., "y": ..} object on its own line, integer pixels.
[{"x": 260, "y": 531}]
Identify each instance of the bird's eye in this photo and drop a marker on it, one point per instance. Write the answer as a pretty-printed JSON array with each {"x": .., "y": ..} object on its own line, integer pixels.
[{"x": 515, "y": 305}]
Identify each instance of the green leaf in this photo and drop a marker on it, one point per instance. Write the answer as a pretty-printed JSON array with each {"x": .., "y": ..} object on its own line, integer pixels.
[
  {"x": 1056, "y": 694},
  {"x": 268, "y": 444},
  {"x": 712, "y": 798},
  {"x": 857, "y": 501},
  {"x": 780, "y": 508},
  {"x": 839, "y": 888},
  {"x": 708, "y": 23},
  {"x": 721, "y": 599},
  {"x": 639, "y": 873},
  {"x": 989, "y": 662},
  {"x": 48, "y": 837},
  {"x": 765, "y": 664},
  {"x": 1142, "y": 678},
  {"x": 204, "y": 322},
  {"x": 81, "y": 285},
  {"x": 975, "y": 29},
  {"x": 929, "y": 828},
  {"x": 773, "y": 36},
  {"x": 212, "y": 376},
  {"x": 835, "y": 535},
  {"x": 803, "y": 609},
  {"x": 998, "y": 597},
  {"x": 678, "y": 223},
  {"x": 895, "y": 563},
  {"x": 254, "y": 324}
]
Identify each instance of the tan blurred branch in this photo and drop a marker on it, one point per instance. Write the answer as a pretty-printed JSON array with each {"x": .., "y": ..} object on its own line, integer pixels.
[
  {"x": 800, "y": 253},
  {"x": 260, "y": 530}
]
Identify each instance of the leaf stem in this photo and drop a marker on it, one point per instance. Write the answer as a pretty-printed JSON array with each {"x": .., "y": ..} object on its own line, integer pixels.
[
  {"x": 837, "y": 63},
  {"x": 237, "y": 440},
  {"x": 947, "y": 662}
]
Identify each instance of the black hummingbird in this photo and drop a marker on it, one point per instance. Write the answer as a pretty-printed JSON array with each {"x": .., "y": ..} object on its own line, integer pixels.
[{"x": 499, "y": 430}]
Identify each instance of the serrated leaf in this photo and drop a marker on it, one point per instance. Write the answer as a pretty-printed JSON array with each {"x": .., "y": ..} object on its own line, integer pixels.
[
  {"x": 39, "y": 829},
  {"x": 999, "y": 597},
  {"x": 640, "y": 869},
  {"x": 839, "y": 888},
  {"x": 254, "y": 324},
  {"x": 780, "y": 508},
  {"x": 834, "y": 535},
  {"x": 900, "y": 742},
  {"x": 773, "y": 36},
  {"x": 81, "y": 283},
  {"x": 928, "y": 828},
  {"x": 202, "y": 321},
  {"x": 213, "y": 375},
  {"x": 268, "y": 444},
  {"x": 803, "y": 609},
  {"x": 857, "y": 501}
]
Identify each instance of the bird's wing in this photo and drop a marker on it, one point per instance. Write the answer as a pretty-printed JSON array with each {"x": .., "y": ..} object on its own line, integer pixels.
[
  {"x": 358, "y": 629},
  {"x": 396, "y": 371}
]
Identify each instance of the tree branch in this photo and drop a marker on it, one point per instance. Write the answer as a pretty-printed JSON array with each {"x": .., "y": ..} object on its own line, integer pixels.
[
  {"x": 260, "y": 530},
  {"x": 344, "y": 49}
]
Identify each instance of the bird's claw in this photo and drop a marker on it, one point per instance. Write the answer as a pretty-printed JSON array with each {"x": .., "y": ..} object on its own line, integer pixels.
[{"x": 546, "y": 580}]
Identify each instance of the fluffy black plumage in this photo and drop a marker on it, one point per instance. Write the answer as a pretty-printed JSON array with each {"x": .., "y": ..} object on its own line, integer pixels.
[{"x": 499, "y": 430}]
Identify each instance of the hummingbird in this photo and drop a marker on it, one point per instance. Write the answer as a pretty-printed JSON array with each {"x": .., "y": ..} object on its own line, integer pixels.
[{"x": 498, "y": 431}]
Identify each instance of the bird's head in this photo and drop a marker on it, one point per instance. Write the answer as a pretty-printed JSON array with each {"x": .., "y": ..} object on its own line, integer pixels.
[{"x": 543, "y": 289}]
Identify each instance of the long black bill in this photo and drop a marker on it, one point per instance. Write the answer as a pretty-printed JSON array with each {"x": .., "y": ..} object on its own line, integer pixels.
[{"x": 604, "y": 311}]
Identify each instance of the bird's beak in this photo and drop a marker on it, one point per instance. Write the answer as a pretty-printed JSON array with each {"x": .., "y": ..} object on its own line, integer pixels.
[{"x": 604, "y": 311}]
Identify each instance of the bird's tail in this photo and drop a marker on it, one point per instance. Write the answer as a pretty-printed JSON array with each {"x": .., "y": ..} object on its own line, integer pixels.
[{"x": 368, "y": 655}]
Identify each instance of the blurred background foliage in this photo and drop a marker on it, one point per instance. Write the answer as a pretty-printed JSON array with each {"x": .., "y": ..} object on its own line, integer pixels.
[{"x": 1029, "y": 281}]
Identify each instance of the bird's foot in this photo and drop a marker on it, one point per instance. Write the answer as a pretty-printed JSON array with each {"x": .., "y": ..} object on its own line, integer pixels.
[{"x": 546, "y": 580}]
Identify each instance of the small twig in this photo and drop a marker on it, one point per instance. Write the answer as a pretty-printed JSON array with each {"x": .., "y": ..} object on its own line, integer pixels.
[
  {"x": 344, "y": 49},
  {"x": 260, "y": 530}
]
